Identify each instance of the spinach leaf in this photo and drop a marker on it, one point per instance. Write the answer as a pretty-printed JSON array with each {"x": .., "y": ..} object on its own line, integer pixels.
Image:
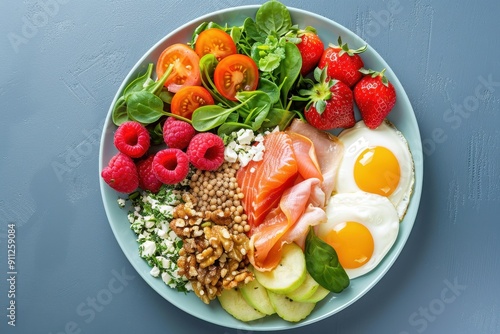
[
  {"x": 252, "y": 31},
  {"x": 197, "y": 32},
  {"x": 144, "y": 107},
  {"x": 273, "y": 18},
  {"x": 206, "y": 118},
  {"x": 270, "y": 89},
  {"x": 289, "y": 69},
  {"x": 255, "y": 107},
  {"x": 165, "y": 95},
  {"x": 323, "y": 265},
  {"x": 228, "y": 127},
  {"x": 156, "y": 133},
  {"x": 278, "y": 117},
  {"x": 119, "y": 114},
  {"x": 141, "y": 82}
]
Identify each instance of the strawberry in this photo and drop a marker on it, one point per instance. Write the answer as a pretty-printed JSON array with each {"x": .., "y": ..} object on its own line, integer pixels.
[
  {"x": 375, "y": 97},
  {"x": 343, "y": 63},
  {"x": 330, "y": 103},
  {"x": 311, "y": 48}
]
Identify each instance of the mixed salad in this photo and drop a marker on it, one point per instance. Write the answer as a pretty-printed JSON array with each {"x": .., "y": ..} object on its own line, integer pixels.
[{"x": 205, "y": 138}]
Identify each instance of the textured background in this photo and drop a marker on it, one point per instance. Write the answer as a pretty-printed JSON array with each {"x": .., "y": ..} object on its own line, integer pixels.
[{"x": 57, "y": 80}]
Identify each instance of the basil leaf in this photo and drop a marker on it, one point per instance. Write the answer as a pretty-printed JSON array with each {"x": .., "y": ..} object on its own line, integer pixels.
[
  {"x": 273, "y": 18},
  {"x": 144, "y": 107},
  {"x": 323, "y": 264}
]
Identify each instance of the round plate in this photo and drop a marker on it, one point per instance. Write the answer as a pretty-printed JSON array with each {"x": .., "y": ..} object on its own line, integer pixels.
[{"x": 402, "y": 116}]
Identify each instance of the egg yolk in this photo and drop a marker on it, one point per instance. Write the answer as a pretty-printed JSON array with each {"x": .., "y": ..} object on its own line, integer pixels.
[
  {"x": 353, "y": 243},
  {"x": 377, "y": 171}
]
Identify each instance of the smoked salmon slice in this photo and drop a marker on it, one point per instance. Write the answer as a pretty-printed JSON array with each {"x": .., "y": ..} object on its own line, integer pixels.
[
  {"x": 263, "y": 182},
  {"x": 298, "y": 209}
]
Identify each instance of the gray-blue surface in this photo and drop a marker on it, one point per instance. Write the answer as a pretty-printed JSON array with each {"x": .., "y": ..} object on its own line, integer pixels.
[{"x": 59, "y": 75}]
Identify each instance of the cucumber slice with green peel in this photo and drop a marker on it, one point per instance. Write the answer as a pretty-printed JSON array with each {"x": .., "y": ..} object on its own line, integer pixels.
[
  {"x": 289, "y": 274},
  {"x": 256, "y": 296},
  {"x": 233, "y": 302},
  {"x": 319, "y": 295},
  {"x": 288, "y": 309},
  {"x": 305, "y": 290}
]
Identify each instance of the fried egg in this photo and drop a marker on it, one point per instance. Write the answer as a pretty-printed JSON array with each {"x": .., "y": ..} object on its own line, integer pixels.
[
  {"x": 377, "y": 161},
  {"x": 362, "y": 228}
]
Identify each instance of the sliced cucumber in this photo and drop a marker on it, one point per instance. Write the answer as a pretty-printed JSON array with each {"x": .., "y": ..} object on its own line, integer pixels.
[
  {"x": 289, "y": 274},
  {"x": 256, "y": 296},
  {"x": 233, "y": 302},
  {"x": 320, "y": 294},
  {"x": 305, "y": 290},
  {"x": 288, "y": 309}
]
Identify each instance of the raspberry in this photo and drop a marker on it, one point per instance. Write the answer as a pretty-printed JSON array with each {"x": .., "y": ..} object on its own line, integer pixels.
[
  {"x": 177, "y": 134},
  {"x": 206, "y": 151},
  {"x": 121, "y": 174},
  {"x": 147, "y": 178},
  {"x": 132, "y": 139},
  {"x": 171, "y": 165}
]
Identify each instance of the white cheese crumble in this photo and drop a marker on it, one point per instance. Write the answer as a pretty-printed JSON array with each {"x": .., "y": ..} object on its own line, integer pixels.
[
  {"x": 149, "y": 217},
  {"x": 244, "y": 146}
]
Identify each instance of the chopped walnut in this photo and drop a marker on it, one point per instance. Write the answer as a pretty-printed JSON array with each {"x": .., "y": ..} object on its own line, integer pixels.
[{"x": 213, "y": 258}]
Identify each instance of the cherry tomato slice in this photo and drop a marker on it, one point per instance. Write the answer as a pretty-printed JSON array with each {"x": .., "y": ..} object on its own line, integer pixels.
[
  {"x": 188, "y": 99},
  {"x": 186, "y": 70},
  {"x": 215, "y": 41},
  {"x": 236, "y": 73}
]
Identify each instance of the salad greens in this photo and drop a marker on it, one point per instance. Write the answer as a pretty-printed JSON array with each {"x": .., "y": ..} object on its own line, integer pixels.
[
  {"x": 323, "y": 264},
  {"x": 144, "y": 100},
  {"x": 270, "y": 40}
]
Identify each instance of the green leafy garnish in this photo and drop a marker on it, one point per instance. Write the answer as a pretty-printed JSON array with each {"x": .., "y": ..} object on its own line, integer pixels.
[{"x": 323, "y": 264}]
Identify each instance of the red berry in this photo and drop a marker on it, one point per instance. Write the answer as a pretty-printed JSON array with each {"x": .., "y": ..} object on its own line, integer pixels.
[
  {"x": 375, "y": 97},
  {"x": 206, "y": 151},
  {"x": 171, "y": 165},
  {"x": 121, "y": 174},
  {"x": 311, "y": 48},
  {"x": 343, "y": 63},
  {"x": 132, "y": 139},
  {"x": 177, "y": 134},
  {"x": 330, "y": 103},
  {"x": 147, "y": 178}
]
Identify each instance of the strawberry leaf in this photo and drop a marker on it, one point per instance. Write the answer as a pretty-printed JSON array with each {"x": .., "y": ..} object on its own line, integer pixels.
[{"x": 320, "y": 106}]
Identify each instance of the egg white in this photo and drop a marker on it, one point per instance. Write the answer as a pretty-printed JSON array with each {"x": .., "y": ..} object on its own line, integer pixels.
[
  {"x": 359, "y": 138},
  {"x": 375, "y": 212}
]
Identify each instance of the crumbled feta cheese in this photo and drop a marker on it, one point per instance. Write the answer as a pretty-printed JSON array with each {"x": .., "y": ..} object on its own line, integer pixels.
[
  {"x": 230, "y": 155},
  {"x": 155, "y": 271},
  {"x": 148, "y": 248},
  {"x": 121, "y": 202},
  {"x": 244, "y": 147},
  {"x": 245, "y": 136},
  {"x": 149, "y": 216}
]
